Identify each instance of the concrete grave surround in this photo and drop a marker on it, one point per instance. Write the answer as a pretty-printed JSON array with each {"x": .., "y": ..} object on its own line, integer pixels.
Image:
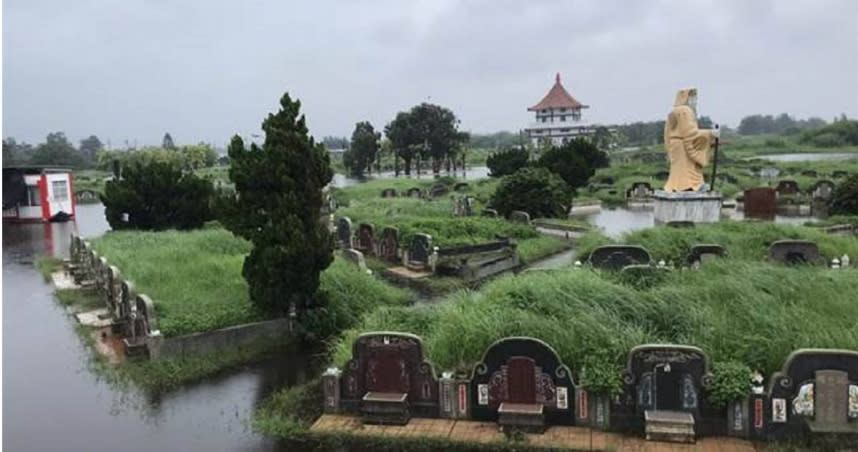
[
  {"x": 615, "y": 257},
  {"x": 640, "y": 190},
  {"x": 388, "y": 193},
  {"x": 414, "y": 192},
  {"x": 518, "y": 216},
  {"x": 696, "y": 207},
  {"x": 420, "y": 249},
  {"x": 491, "y": 213},
  {"x": 701, "y": 253},
  {"x": 795, "y": 252},
  {"x": 344, "y": 232},
  {"x": 787, "y": 187}
]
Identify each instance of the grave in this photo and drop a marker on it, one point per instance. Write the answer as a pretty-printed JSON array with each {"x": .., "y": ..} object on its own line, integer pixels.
[
  {"x": 521, "y": 382},
  {"x": 366, "y": 238},
  {"x": 769, "y": 172},
  {"x": 142, "y": 325},
  {"x": 787, "y": 188},
  {"x": 491, "y": 213},
  {"x": 640, "y": 190},
  {"x": 113, "y": 283},
  {"x": 356, "y": 257},
  {"x": 815, "y": 391},
  {"x": 810, "y": 173},
  {"x": 344, "y": 232},
  {"x": 760, "y": 203},
  {"x": 840, "y": 174},
  {"x": 438, "y": 190},
  {"x": 615, "y": 257},
  {"x": 702, "y": 253},
  {"x": 388, "y": 193},
  {"x": 414, "y": 192},
  {"x": 388, "y": 247},
  {"x": 463, "y": 207},
  {"x": 419, "y": 252},
  {"x": 386, "y": 380},
  {"x": 822, "y": 190},
  {"x": 122, "y": 325},
  {"x": 461, "y": 186},
  {"x": 795, "y": 252},
  {"x": 477, "y": 262},
  {"x": 85, "y": 196},
  {"x": 518, "y": 216}
]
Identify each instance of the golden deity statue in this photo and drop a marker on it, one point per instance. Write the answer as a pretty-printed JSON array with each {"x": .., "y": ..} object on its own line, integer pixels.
[{"x": 687, "y": 146}]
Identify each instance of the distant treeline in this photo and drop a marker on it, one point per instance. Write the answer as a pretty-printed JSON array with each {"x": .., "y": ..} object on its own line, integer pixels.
[{"x": 782, "y": 124}]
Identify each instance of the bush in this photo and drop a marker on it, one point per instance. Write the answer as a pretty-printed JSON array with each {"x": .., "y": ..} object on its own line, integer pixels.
[
  {"x": 506, "y": 162},
  {"x": 845, "y": 199},
  {"x": 155, "y": 196},
  {"x": 731, "y": 381},
  {"x": 536, "y": 191},
  {"x": 575, "y": 162}
]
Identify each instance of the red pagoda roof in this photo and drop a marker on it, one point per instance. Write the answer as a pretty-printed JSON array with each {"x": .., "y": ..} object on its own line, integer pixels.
[{"x": 557, "y": 97}]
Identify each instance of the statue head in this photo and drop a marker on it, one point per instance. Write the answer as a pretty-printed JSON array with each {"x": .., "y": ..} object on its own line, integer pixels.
[{"x": 687, "y": 97}]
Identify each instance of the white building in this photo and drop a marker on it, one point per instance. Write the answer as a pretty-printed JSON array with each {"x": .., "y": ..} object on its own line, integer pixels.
[
  {"x": 558, "y": 117},
  {"x": 35, "y": 194}
]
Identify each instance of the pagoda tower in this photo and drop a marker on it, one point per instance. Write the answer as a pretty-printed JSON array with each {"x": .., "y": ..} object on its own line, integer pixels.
[{"x": 558, "y": 117}]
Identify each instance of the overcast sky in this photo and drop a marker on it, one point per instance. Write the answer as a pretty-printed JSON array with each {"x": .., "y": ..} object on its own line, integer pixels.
[{"x": 205, "y": 70}]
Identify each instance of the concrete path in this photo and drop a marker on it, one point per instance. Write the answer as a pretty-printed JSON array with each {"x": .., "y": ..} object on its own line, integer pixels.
[{"x": 577, "y": 438}]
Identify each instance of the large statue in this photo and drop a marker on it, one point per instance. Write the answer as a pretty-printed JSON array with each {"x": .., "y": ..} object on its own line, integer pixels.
[{"x": 687, "y": 146}]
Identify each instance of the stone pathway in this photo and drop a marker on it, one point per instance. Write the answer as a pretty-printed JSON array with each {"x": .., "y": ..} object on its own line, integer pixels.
[{"x": 578, "y": 438}]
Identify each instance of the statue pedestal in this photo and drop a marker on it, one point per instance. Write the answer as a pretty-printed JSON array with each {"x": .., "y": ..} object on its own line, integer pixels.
[{"x": 696, "y": 207}]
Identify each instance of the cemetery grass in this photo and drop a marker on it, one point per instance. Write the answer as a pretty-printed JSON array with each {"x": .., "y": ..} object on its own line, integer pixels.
[
  {"x": 195, "y": 280},
  {"x": 47, "y": 266}
]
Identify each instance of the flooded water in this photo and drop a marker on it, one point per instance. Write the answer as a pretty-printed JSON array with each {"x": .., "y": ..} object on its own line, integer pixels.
[
  {"x": 807, "y": 157},
  {"x": 53, "y": 402}
]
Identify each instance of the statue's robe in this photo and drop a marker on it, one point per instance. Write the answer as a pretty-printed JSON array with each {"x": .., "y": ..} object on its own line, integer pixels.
[{"x": 687, "y": 146}]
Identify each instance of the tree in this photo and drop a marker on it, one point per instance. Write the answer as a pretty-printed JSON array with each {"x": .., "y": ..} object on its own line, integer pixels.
[
  {"x": 198, "y": 156},
  {"x": 15, "y": 153},
  {"x": 437, "y": 128},
  {"x": 575, "y": 162},
  {"x": 845, "y": 198},
  {"x": 402, "y": 139},
  {"x": 167, "y": 142},
  {"x": 57, "y": 150},
  {"x": 90, "y": 147},
  {"x": 277, "y": 208},
  {"x": 363, "y": 150},
  {"x": 155, "y": 196},
  {"x": 536, "y": 191},
  {"x": 507, "y": 162}
]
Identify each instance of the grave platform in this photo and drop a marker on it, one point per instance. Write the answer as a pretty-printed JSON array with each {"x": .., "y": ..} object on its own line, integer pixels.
[
  {"x": 669, "y": 426},
  {"x": 99, "y": 318},
  {"x": 407, "y": 274},
  {"x": 63, "y": 280},
  {"x": 389, "y": 408},
  {"x": 487, "y": 433},
  {"x": 525, "y": 416}
]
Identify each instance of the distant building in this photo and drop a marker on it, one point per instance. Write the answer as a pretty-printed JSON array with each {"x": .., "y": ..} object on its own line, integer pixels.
[
  {"x": 558, "y": 117},
  {"x": 336, "y": 152},
  {"x": 35, "y": 194}
]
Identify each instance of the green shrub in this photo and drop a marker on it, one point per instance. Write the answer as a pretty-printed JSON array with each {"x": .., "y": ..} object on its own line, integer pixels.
[
  {"x": 507, "y": 162},
  {"x": 155, "y": 196},
  {"x": 536, "y": 191},
  {"x": 845, "y": 198},
  {"x": 731, "y": 382},
  {"x": 575, "y": 162}
]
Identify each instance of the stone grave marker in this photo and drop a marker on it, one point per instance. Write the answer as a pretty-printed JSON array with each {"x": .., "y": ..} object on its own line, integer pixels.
[
  {"x": 113, "y": 280},
  {"x": 702, "y": 253},
  {"x": 491, "y": 213},
  {"x": 85, "y": 196},
  {"x": 356, "y": 257},
  {"x": 769, "y": 172},
  {"x": 366, "y": 238},
  {"x": 461, "y": 186},
  {"x": 760, "y": 203},
  {"x": 787, "y": 187},
  {"x": 420, "y": 249},
  {"x": 795, "y": 252},
  {"x": 414, "y": 192},
  {"x": 519, "y": 216},
  {"x": 344, "y": 232},
  {"x": 388, "y": 193},
  {"x": 438, "y": 190},
  {"x": 840, "y": 174},
  {"x": 615, "y": 257},
  {"x": 126, "y": 306},
  {"x": 388, "y": 247},
  {"x": 822, "y": 190},
  {"x": 640, "y": 190}
]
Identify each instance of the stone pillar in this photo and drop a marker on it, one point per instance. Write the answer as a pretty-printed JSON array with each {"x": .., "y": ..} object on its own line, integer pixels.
[
  {"x": 737, "y": 418},
  {"x": 454, "y": 397},
  {"x": 331, "y": 390},
  {"x": 154, "y": 342}
]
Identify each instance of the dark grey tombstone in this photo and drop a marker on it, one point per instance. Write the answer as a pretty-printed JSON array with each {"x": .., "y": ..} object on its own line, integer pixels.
[
  {"x": 114, "y": 290},
  {"x": 491, "y": 213},
  {"x": 639, "y": 190},
  {"x": 787, "y": 187},
  {"x": 795, "y": 252},
  {"x": 461, "y": 186},
  {"x": 667, "y": 377},
  {"x": 615, "y": 257},
  {"x": 699, "y": 254},
  {"x": 388, "y": 247},
  {"x": 420, "y": 249},
  {"x": 414, "y": 192},
  {"x": 388, "y": 193},
  {"x": 366, "y": 238},
  {"x": 822, "y": 190},
  {"x": 518, "y": 216},
  {"x": 344, "y": 232}
]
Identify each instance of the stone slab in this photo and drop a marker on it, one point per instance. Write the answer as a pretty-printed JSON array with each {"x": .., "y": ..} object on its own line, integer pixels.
[
  {"x": 63, "y": 280},
  {"x": 98, "y": 318},
  {"x": 407, "y": 273},
  {"x": 686, "y": 206}
]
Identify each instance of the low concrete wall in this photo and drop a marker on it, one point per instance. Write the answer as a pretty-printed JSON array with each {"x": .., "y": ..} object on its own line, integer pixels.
[{"x": 219, "y": 340}]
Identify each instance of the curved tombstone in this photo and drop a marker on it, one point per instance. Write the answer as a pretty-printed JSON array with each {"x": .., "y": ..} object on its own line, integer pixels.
[
  {"x": 414, "y": 192},
  {"x": 388, "y": 378},
  {"x": 760, "y": 203},
  {"x": 144, "y": 318},
  {"x": 85, "y": 195},
  {"x": 388, "y": 247},
  {"x": 113, "y": 282},
  {"x": 491, "y": 213},
  {"x": 126, "y": 307},
  {"x": 101, "y": 268},
  {"x": 702, "y": 253},
  {"x": 787, "y": 187},
  {"x": 822, "y": 190},
  {"x": 519, "y": 216},
  {"x": 344, "y": 232},
  {"x": 438, "y": 190},
  {"x": 388, "y": 193},
  {"x": 366, "y": 238},
  {"x": 419, "y": 250},
  {"x": 522, "y": 379},
  {"x": 460, "y": 186},
  {"x": 615, "y": 257},
  {"x": 640, "y": 190},
  {"x": 355, "y": 257},
  {"x": 816, "y": 391},
  {"x": 795, "y": 252}
]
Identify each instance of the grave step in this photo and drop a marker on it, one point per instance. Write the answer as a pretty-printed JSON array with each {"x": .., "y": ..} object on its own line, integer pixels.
[
  {"x": 670, "y": 426},
  {"x": 390, "y": 408}
]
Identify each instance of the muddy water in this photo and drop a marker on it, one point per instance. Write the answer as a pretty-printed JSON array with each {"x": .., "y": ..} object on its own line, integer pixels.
[{"x": 53, "y": 402}]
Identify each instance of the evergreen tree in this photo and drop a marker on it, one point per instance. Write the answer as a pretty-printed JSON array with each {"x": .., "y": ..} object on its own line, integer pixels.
[
  {"x": 575, "y": 162},
  {"x": 363, "y": 150},
  {"x": 277, "y": 208},
  {"x": 167, "y": 142}
]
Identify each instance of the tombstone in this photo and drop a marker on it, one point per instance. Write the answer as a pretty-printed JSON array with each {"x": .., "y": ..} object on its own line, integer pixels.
[
  {"x": 420, "y": 249},
  {"x": 615, "y": 257},
  {"x": 769, "y": 172},
  {"x": 461, "y": 186},
  {"x": 388, "y": 193},
  {"x": 700, "y": 254},
  {"x": 355, "y": 257},
  {"x": 819, "y": 390},
  {"x": 491, "y": 213},
  {"x": 366, "y": 238},
  {"x": 840, "y": 174},
  {"x": 640, "y": 190},
  {"x": 518, "y": 216},
  {"x": 388, "y": 247},
  {"x": 101, "y": 269},
  {"x": 438, "y": 190},
  {"x": 787, "y": 188},
  {"x": 760, "y": 203},
  {"x": 84, "y": 196},
  {"x": 661, "y": 175},
  {"x": 388, "y": 379},
  {"x": 113, "y": 282},
  {"x": 468, "y": 205},
  {"x": 521, "y": 382},
  {"x": 344, "y": 232},
  {"x": 810, "y": 173},
  {"x": 414, "y": 192},
  {"x": 795, "y": 252},
  {"x": 822, "y": 190},
  {"x": 126, "y": 307}
]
